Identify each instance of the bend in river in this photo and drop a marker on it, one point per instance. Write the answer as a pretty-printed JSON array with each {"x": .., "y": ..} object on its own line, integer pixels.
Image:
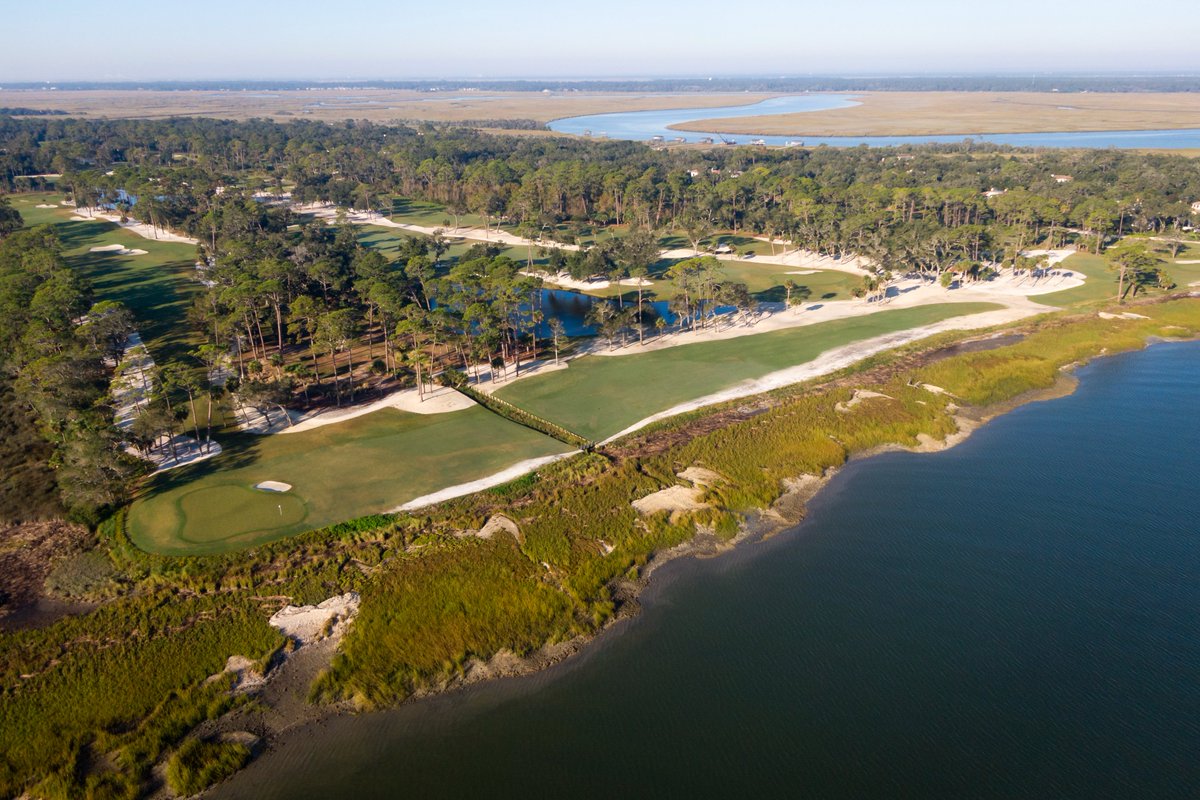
[{"x": 646, "y": 125}]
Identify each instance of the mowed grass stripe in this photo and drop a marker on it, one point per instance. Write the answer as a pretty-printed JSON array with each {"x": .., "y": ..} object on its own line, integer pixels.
[
  {"x": 338, "y": 472},
  {"x": 598, "y": 396}
]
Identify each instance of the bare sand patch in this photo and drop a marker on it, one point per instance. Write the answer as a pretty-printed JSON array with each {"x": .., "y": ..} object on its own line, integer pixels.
[
  {"x": 498, "y": 523},
  {"x": 701, "y": 476},
  {"x": 308, "y": 624},
  {"x": 672, "y": 499},
  {"x": 859, "y": 396},
  {"x": 273, "y": 486}
]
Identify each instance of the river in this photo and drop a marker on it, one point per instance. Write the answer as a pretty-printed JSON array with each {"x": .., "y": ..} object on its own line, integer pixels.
[
  {"x": 645, "y": 125},
  {"x": 1014, "y": 617}
]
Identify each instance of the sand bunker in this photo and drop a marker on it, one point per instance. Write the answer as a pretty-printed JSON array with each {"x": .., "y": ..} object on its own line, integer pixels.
[
  {"x": 1126, "y": 315},
  {"x": 307, "y": 624},
  {"x": 118, "y": 249},
  {"x": 273, "y": 486},
  {"x": 45, "y": 205}
]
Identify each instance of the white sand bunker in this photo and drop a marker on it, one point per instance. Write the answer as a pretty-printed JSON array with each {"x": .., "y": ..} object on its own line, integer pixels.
[
  {"x": 273, "y": 486},
  {"x": 118, "y": 249},
  {"x": 1126, "y": 315},
  {"x": 45, "y": 205}
]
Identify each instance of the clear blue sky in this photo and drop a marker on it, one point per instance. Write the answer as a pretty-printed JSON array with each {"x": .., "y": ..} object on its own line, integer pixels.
[{"x": 342, "y": 39}]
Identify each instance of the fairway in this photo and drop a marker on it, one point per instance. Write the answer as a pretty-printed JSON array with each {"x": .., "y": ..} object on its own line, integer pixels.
[
  {"x": 338, "y": 472},
  {"x": 599, "y": 396},
  {"x": 157, "y": 287}
]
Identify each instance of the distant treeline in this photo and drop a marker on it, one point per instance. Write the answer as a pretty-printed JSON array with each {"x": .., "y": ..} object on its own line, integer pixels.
[
  {"x": 1047, "y": 82},
  {"x": 20, "y": 111}
]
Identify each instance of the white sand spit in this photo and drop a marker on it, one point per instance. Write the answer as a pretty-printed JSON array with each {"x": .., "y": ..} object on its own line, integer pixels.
[
  {"x": 308, "y": 624},
  {"x": 462, "y": 489},
  {"x": 273, "y": 486}
]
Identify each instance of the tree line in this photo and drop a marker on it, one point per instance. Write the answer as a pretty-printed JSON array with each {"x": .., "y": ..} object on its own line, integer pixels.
[{"x": 57, "y": 351}]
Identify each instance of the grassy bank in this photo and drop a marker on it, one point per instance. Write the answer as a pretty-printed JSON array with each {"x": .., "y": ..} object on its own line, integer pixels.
[{"x": 82, "y": 707}]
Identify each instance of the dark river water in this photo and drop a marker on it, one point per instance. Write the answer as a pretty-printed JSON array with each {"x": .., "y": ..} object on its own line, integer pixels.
[
  {"x": 645, "y": 125},
  {"x": 1015, "y": 617}
]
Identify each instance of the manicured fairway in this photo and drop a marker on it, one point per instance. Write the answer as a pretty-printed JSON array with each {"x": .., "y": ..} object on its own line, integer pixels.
[
  {"x": 157, "y": 287},
  {"x": 1100, "y": 284},
  {"x": 1185, "y": 275},
  {"x": 362, "y": 466},
  {"x": 598, "y": 396}
]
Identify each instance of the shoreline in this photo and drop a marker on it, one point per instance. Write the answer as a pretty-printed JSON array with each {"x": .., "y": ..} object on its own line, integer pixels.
[{"x": 786, "y": 512}]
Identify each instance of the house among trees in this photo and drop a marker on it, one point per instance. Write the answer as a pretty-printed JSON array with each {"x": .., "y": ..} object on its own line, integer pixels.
[
  {"x": 1196, "y": 207},
  {"x": 1063, "y": 178},
  {"x": 994, "y": 192}
]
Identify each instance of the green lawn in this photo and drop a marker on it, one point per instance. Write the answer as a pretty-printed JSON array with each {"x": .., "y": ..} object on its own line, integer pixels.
[
  {"x": 1185, "y": 275},
  {"x": 1100, "y": 283},
  {"x": 599, "y": 396},
  {"x": 362, "y": 466},
  {"x": 157, "y": 287},
  {"x": 1102, "y": 279}
]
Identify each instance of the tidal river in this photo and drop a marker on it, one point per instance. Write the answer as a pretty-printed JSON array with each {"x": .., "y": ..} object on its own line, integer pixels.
[
  {"x": 1015, "y": 617},
  {"x": 644, "y": 125}
]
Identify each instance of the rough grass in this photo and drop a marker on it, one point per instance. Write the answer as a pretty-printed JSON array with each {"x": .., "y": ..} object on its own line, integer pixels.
[
  {"x": 598, "y": 396},
  {"x": 998, "y": 375},
  {"x": 199, "y": 764},
  {"x": 362, "y": 466}
]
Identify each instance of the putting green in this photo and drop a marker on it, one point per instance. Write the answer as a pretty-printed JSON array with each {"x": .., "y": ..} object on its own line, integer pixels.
[
  {"x": 367, "y": 465},
  {"x": 599, "y": 396},
  {"x": 235, "y": 511}
]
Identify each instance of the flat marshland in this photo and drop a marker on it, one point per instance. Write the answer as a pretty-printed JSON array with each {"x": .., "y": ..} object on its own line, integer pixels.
[
  {"x": 947, "y": 113},
  {"x": 377, "y": 105}
]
